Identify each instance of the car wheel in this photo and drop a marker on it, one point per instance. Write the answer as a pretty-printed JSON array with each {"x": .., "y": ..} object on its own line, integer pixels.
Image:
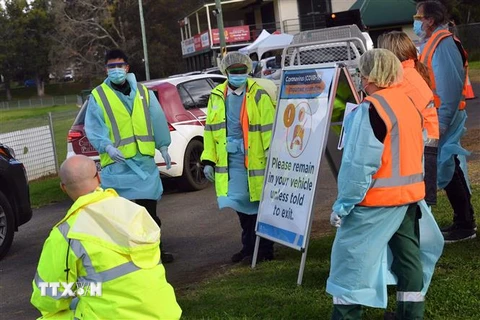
[
  {"x": 6, "y": 225},
  {"x": 193, "y": 177}
]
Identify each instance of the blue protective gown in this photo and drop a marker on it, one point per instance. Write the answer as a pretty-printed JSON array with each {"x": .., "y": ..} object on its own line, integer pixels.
[
  {"x": 449, "y": 75},
  {"x": 238, "y": 197},
  {"x": 119, "y": 176},
  {"x": 359, "y": 272}
]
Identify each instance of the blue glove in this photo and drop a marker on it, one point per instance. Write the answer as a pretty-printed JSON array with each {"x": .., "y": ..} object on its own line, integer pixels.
[
  {"x": 166, "y": 157},
  {"x": 114, "y": 153},
  {"x": 209, "y": 173}
]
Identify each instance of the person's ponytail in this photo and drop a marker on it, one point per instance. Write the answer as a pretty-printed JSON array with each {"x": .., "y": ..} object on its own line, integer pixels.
[{"x": 423, "y": 70}]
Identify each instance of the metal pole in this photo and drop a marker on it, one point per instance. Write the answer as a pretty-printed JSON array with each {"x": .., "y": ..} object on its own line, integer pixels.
[
  {"x": 144, "y": 40},
  {"x": 54, "y": 147},
  {"x": 221, "y": 32}
]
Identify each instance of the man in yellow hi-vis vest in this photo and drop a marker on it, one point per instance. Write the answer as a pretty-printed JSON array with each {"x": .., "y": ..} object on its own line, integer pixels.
[
  {"x": 102, "y": 260},
  {"x": 236, "y": 139},
  {"x": 124, "y": 122}
]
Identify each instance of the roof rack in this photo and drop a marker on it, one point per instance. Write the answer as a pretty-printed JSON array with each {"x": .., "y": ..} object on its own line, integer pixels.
[{"x": 333, "y": 33}]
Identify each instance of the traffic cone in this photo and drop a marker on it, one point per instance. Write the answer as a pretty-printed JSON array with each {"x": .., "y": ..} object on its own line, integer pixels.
[{"x": 469, "y": 93}]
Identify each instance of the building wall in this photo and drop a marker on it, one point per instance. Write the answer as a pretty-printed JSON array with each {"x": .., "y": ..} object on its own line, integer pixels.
[
  {"x": 285, "y": 10},
  {"x": 342, "y": 5}
]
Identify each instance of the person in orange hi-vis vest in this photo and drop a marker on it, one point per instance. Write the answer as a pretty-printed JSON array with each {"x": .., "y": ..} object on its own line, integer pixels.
[
  {"x": 447, "y": 62},
  {"x": 380, "y": 186},
  {"x": 415, "y": 83}
]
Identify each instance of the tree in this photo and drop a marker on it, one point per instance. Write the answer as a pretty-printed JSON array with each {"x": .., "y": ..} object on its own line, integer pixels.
[
  {"x": 11, "y": 28},
  {"x": 85, "y": 29},
  {"x": 38, "y": 26}
]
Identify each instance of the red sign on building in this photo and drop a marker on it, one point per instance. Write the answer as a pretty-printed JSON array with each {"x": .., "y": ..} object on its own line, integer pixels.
[{"x": 232, "y": 34}]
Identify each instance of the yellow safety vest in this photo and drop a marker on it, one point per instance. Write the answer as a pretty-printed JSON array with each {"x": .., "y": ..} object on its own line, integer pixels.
[
  {"x": 129, "y": 133},
  {"x": 257, "y": 116},
  {"x": 104, "y": 239}
]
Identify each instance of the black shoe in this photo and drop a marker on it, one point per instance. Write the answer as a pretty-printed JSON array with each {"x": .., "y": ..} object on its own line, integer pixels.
[
  {"x": 166, "y": 257},
  {"x": 452, "y": 227},
  {"x": 457, "y": 234},
  {"x": 389, "y": 316},
  {"x": 239, "y": 256}
]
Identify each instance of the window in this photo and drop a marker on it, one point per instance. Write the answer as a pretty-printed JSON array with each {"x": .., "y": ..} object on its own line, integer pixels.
[
  {"x": 217, "y": 80},
  {"x": 198, "y": 90},
  {"x": 186, "y": 99}
]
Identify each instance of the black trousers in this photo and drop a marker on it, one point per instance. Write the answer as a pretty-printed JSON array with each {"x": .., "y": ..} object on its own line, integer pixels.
[
  {"x": 248, "y": 222},
  {"x": 460, "y": 198},
  {"x": 430, "y": 158},
  {"x": 151, "y": 206}
]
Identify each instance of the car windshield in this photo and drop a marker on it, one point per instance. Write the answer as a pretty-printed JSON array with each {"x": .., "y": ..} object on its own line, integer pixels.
[{"x": 274, "y": 64}]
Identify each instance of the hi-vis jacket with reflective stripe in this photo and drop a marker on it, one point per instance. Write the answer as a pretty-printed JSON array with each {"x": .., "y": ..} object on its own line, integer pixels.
[
  {"x": 257, "y": 116},
  {"x": 422, "y": 97},
  {"x": 399, "y": 180},
  {"x": 108, "y": 240},
  {"x": 129, "y": 133},
  {"x": 427, "y": 55}
]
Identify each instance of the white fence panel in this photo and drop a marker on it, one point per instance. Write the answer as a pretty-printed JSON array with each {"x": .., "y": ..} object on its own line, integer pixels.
[{"x": 34, "y": 148}]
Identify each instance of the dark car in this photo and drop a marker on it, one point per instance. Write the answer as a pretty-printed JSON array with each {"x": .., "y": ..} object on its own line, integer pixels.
[
  {"x": 30, "y": 83},
  {"x": 15, "y": 207}
]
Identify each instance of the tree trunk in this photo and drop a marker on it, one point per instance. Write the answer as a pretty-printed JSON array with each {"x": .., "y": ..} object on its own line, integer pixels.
[
  {"x": 40, "y": 86},
  {"x": 8, "y": 92}
]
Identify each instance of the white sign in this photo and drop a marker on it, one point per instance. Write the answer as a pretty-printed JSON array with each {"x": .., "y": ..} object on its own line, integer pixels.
[
  {"x": 188, "y": 46},
  {"x": 302, "y": 119},
  {"x": 205, "y": 40}
]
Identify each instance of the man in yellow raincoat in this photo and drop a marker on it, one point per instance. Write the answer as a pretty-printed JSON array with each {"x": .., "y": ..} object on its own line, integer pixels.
[{"x": 102, "y": 260}]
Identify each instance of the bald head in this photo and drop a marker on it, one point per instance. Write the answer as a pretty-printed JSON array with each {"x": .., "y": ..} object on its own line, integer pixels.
[{"x": 78, "y": 175}]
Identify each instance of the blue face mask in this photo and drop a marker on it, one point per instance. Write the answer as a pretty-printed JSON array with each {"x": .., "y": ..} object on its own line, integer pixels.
[
  {"x": 417, "y": 28},
  {"x": 117, "y": 75},
  {"x": 237, "y": 80}
]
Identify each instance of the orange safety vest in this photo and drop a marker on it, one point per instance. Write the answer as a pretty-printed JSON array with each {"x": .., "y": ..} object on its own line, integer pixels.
[
  {"x": 422, "y": 97},
  {"x": 427, "y": 55},
  {"x": 399, "y": 180}
]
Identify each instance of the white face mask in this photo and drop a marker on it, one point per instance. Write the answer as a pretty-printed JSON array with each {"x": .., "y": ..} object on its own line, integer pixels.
[{"x": 364, "y": 88}]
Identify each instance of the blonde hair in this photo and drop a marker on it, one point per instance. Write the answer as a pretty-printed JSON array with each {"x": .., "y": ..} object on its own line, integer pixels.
[
  {"x": 403, "y": 47},
  {"x": 381, "y": 67}
]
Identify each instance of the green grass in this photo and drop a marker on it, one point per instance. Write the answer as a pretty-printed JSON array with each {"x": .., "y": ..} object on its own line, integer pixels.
[
  {"x": 31, "y": 113},
  {"x": 55, "y": 89},
  {"x": 474, "y": 64},
  {"x": 45, "y": 190},
  {"x": 474, "y": 71},
  {"x": 270, "y": 291}
]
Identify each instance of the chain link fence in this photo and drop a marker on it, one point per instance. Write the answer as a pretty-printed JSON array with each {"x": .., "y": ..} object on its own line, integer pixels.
[
  {"x": 469, "y": 34},
  {"x": 41, "y": 102},
  {"x": 40, "y": 143}
]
